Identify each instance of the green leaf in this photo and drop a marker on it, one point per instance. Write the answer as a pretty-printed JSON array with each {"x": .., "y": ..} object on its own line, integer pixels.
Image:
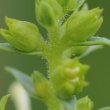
[
  {"x": 91, "y": 49},
  {"x": 93, "y": 41},
  {"x": 24, "y": 79},
  {"x": 80, "y": 3},
  {"x": 3, "y": 102},
  {"x": 6, "y": 47},
  {"x": 9, "y": 48},
  {"x": 71, "y": 104},
  {"x": 105, "y": 108}
]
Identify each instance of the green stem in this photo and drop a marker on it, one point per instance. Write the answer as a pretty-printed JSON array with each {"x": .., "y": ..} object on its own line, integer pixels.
[
  {"x": 54, "y": 53},
  {"x": 54, "y": 50}
]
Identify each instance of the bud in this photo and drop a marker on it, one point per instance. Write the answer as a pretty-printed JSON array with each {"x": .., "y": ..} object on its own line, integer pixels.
[
  {"x": 41, "y": 84},
  {"x": 45, "y": 15},
  {"x": 69, "y": 78},
  {"x": 57, "y": 8},
  {"x": 83, "y": 25},
  {"x": 68, "y": 5},
  {"x": 22, "y": 35},
  {"x": 85, "y": 104},
  {"x": 65, "y": 90}
]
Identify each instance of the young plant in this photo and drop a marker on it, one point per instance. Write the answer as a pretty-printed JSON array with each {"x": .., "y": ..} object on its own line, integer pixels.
[{"x": 70, "y": 30}]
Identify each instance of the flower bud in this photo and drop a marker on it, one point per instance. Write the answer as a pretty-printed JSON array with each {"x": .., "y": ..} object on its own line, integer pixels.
[
  {"x": 55, "y": 6},
  {"x": 69, "y": 78},
  {"x": 46, "y": 15},
  {"x": 41, "y": 84},
  {"x": 68, "y": 5},
  {"x": 83, "y": 25},
  {"x": 85, "y": 104},
  {"x": 22, "y": 35},
  {"x": 58, "y": 10}
]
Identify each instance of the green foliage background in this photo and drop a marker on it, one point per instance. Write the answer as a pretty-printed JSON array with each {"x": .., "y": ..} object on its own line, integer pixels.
[{"x": 99, "y": 74}]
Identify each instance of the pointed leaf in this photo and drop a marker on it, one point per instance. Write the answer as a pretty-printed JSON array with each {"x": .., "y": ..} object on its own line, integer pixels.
[
  {"x": 80, "y": 3},
  {"x": 91, "y": 49},
  {"x": 24, "y": 79},
  {"x": 20, "y": 97},
  {"x": 93, "y": 41},
  {"x": 3, "y": 102},
  {"x": 71, "y": 104},
  {"x": 7, "y": 47}
]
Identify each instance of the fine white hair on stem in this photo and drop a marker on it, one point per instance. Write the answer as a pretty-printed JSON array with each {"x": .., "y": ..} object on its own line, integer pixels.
[{"x": 20, "y": 97}]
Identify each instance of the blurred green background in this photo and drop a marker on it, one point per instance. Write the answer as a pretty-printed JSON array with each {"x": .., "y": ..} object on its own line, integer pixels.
[{"x": 98, "y": 76}]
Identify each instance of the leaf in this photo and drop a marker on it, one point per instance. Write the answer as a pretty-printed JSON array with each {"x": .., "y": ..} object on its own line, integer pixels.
[
  {"x": 80, "y": 3},
  {"x": 24, "y": 79},
  {"x": 105, "y": 108},
  {"x": 7, "y": 47},
  {"x": 71, "y": 104},
  {"x": 3, "y": 102},
  {"x": 90, "y": 49},
  {"x": 20, "y": 97},
  {"x": 93, "y": 41}
]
